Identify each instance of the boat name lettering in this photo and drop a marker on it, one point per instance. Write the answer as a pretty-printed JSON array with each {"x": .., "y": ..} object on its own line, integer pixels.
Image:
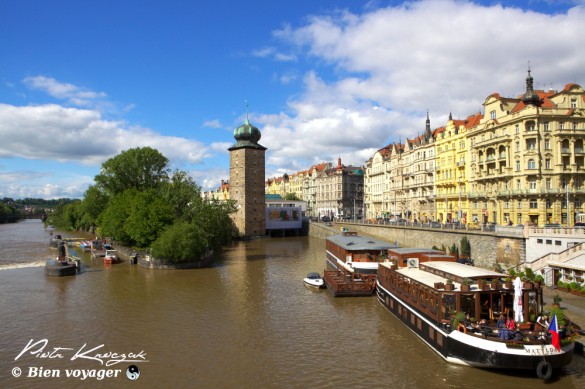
[{"x": 541, "y": 351}]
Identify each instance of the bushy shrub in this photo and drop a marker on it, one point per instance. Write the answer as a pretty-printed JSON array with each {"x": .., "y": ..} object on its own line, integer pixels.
[{"x": 180, "y": 243}]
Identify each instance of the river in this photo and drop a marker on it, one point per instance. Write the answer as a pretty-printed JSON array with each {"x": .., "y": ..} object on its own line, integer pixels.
[{"x": 247, "y": 322}]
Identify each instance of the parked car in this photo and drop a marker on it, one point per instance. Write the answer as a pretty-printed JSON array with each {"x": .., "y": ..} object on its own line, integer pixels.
[
  {"x": 579, "y": 225},
  {"x": 473, "y": 226}
]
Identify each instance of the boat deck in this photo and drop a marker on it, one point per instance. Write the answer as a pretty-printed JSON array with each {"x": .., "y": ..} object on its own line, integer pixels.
[{"x": 347, "y": 284}]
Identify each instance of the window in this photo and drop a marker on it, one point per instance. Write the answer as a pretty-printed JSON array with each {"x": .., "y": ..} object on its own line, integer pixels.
[
  {"x": 548, "y": 204},
  {"x": 547, "y": 163},
  {"x": 573, "y": 103},
  {"x": 517, "y": 128},
  {"x": 531, "y": 164},
  {"x": 518, "y": 185},
  {"x": 539, "y": 241},
  {"x": 561, "y": 126},
  {"x": 517, "y": 146},
  {"x": 506, "y": 205},
  {"x": 531, "y": 144},
  {"x": 533, "y": 203},
  {"x": 548, "y": 183},
  {"x": 519, "y": 218},
  {"x": 574, "y": 125},
  {"x": 549, "y": 241},
  {"x": 532, "y": 185},
  {"x": 547, "y": 144},
  {"x": 557, "y": 242},
  {"x": 517, "y": 166},
  {"x": 493, "y": 114},
  {"x": 545, "y": 126}
]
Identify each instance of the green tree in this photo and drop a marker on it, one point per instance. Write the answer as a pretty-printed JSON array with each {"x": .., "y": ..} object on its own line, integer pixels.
[
  {"x": 113, "y": 219},
  {"x": 214, "y": 219},
  {"x": 183, "y": 195},
  {"x": 465, "y": 247},
  {"x": 149, "y": 215},
  {"x": 138, "y": 168},
  {"x": 291, "y": 196},
  {"x": 94, "y": 203},
  {"x": 181, "y": 242}
]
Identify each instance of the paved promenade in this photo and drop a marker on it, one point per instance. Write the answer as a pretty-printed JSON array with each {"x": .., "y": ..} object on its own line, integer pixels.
[{"x": 574, "y": 306}]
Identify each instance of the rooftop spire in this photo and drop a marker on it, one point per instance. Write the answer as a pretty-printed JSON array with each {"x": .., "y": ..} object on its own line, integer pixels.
[
  {"x": 428, "y": 133},
  {"x": 530, "y": 97}
]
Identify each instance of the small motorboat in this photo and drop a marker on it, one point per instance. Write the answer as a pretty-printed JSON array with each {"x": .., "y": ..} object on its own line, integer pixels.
[
  {"x": 315, "y": 280},
  {"x": 111, "y": 257}
]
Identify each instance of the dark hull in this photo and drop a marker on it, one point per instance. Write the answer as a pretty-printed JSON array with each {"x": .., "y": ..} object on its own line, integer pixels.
[
  {"x": 469, "y": 349},
  {"x": 55, "y": 268}
]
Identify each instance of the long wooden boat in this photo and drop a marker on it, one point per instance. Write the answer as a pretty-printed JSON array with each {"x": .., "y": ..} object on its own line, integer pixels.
[{"x": 420, "y": 296}]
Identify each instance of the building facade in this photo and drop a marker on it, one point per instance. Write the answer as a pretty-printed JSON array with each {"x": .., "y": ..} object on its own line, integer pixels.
[{"x": 522, "y": 162}]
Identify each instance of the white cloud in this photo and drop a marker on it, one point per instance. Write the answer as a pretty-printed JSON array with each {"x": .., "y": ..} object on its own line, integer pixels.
[
  {"x": 71, "y": 93},
  {"x": 212, "y": 124},
  {"x": 54, "y": 132},
  {"x": 392, "y": 64}
]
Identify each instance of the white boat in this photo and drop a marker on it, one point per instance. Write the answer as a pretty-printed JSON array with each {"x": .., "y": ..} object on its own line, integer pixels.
[
  {"x": 314, "y": 279},
  {"x": 111, "y": 256}
]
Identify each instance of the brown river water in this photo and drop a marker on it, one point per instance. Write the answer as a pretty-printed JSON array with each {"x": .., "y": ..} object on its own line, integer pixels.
[{"x": 247, "y": 322}]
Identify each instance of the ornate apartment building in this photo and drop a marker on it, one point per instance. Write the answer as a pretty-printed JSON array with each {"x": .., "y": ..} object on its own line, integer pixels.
[{"x": 523, "y": 161}]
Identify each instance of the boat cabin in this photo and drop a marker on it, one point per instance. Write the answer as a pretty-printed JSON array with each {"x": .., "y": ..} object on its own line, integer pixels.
[
  {"x": 350, "y": 247},
  {"x": 440, "y": 289}
]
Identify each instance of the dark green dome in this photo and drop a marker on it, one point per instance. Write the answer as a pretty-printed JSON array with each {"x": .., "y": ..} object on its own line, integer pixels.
[{"x": 247, "y": 133}]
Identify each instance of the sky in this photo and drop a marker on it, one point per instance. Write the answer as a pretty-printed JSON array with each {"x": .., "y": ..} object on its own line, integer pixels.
[{"x": 82, "y": 81}]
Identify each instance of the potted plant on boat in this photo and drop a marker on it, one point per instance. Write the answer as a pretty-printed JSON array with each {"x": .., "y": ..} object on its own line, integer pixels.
[
  {"x": 538, "y": 281},
  {"x": 439, "y": 285},
  {"x": 483, "y": 284},
  {"x": 495, "y": 284},
  {"x": 526, "y": 283},
  {"x": 449, "y": 286},
  {"x": 508, "y": 283},
  {"x": 466, "y": 285}
]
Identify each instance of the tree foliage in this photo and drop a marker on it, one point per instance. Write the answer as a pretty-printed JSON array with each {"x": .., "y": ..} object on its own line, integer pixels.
[
  {"x": 181, "y": 242},
  {"x": 139, "y": 203},
  {"x": 138, "y": 168}
]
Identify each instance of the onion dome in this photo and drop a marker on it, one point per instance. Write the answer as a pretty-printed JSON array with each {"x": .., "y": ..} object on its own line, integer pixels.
[
  {"x": 247, "y": 136},
  {"x": 247, "y": 133}
]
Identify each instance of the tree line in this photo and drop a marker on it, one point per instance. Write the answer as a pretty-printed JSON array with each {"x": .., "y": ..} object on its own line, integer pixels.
[{"x": 140, "y": 202}]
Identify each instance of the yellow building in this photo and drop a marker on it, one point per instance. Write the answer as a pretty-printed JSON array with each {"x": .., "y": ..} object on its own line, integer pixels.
[{"x": 527, "y": 157}]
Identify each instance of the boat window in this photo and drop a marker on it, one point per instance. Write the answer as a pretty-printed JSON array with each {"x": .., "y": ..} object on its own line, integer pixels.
[
  {"x": 532, "y": 305},
  {"x": 448, "y": 305},
  {"x": 468, "y": 304}
]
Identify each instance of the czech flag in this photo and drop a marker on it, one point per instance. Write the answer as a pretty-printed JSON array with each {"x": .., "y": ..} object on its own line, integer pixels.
[{"x": 554, "y": 331}]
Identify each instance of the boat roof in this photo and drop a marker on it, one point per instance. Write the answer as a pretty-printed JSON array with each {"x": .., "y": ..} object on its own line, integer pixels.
[
  {"x": 411, "y": 250},
  {"x": 461, "y": 270},
  {"x": 313, "y": 274},
  {"x": 352, "y": 242},
  {"x": 454, "y": 268}
]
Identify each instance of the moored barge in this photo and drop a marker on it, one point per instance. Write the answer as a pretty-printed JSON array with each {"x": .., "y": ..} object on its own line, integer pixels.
[
  {"x": 432, "y": 298},
  {"x": 352, "y": 262}
]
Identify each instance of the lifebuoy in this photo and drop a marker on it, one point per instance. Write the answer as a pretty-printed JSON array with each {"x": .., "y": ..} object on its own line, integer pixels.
[
  {"x": 544, "y": 370},
  {"x": 461, "y": 328}
]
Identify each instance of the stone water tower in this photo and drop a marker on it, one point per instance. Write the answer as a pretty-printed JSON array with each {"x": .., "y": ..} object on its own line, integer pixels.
[{"x": 247, "y": 166}]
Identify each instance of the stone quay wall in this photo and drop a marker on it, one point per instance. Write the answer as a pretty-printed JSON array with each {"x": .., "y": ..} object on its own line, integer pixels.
[{"x": 487, "y": 249}]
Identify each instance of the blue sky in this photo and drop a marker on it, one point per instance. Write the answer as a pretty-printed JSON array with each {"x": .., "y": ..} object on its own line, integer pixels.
[{"x": 81, "y": 81}]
